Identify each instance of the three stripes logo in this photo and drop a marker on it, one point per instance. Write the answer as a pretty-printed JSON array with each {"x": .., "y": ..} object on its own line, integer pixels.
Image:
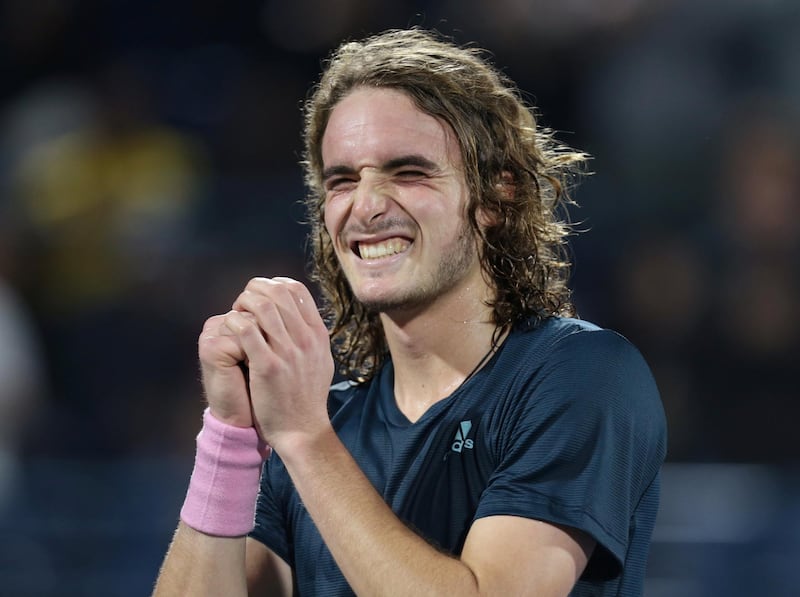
[{"x": 461, "y": 440}]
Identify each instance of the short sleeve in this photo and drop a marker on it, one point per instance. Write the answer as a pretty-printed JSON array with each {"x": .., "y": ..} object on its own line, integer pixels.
[
  {"x": 271, "y": 524},
  {"x": 582, "y": 441}
]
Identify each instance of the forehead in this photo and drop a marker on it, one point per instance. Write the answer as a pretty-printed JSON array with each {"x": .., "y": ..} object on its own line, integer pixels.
[{"x": 371, "y": 126}]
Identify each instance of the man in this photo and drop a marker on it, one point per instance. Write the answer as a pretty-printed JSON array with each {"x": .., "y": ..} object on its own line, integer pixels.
[{"x": 488, "y": 443}]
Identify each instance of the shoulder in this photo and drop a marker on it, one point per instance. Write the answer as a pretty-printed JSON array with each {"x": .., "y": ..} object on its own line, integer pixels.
[
  {"x": 561, "y": 331},
  {"x": 577, "y": 380},
  {"x": 572, "y": 345},
  {"x": 574, "y": 362}
]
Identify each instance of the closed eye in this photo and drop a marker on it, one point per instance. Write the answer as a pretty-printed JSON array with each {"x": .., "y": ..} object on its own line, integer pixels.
[
  {"x": 338, "y": 183},
  {"x": 405, "y": 174}
]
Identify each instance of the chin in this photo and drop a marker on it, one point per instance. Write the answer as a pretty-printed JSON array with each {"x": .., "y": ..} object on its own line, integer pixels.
[{"x": 391, "y": 303}]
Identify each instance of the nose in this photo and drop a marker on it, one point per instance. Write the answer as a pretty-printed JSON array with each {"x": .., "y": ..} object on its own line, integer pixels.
[{"x": 370, "y": 199}]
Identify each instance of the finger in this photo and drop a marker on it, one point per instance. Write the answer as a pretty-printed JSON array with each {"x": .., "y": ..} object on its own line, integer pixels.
[
  {"x": 221, "y": 350},
  {"x": 273, "y": 308},
  {"x": 243, "y": 329},
  {"x": 224, "y": 330},
  {"x": 296, "y": 305},
  {"x": 304, "y": 301},
  {"x": 217, "y": 345}
]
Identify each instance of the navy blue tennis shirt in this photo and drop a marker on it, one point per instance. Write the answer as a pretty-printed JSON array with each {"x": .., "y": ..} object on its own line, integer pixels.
[{"x": 564, "y": 424}]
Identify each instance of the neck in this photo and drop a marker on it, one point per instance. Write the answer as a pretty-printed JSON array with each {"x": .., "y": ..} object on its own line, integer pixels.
[{"x": 436, "y": 350}]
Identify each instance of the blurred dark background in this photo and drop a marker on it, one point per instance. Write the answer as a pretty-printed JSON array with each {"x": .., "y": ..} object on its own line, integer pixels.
[{"x": 148, "y": 169}]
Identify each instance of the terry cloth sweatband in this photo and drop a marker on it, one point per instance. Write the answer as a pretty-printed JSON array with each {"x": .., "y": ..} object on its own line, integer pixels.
[{"x": 221, "y": 499}]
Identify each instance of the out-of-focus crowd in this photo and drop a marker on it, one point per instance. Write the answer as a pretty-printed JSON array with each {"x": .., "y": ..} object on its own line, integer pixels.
[{"x": 148, "y": 168}]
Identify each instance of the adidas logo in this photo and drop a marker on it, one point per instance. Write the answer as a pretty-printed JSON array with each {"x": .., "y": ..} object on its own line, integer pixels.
[{"x": 461, "y": 441}]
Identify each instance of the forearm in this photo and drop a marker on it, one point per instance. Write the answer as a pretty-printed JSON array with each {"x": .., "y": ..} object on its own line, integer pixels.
[
  {"x": 198, "y": 565},
  {"x": 377, "y": 553},
  {"x": 207, "y": 555}
]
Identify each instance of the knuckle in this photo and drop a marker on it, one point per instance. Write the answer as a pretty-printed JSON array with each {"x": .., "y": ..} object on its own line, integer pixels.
[
  {"x": 264, "y": 305},
  {"x": 209, "y": 348},
  {"x": 229, "y": 320},
  {"x": 266, "y": 368},
  {"x": 248, "y": 329},
  {"x": 212, "y": 322},
  {"x": 305, "y": 342},
  {"x": 252, "y": 286}
]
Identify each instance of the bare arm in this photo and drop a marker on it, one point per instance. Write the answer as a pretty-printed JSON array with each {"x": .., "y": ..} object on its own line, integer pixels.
[
  {"x": 199, "y": 564},
  {"x": 379, "y": 555}
]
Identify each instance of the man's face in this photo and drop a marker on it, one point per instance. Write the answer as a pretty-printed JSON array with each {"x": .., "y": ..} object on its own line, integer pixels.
[{"x": 395, "y": 199}]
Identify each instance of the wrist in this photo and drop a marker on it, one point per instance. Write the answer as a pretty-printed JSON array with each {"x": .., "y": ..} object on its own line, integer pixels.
[
  {"x": 298, "y": 447},
  {"x": 221, "y": 497}
]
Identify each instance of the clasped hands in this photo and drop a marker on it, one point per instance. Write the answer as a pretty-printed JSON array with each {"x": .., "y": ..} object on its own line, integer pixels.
[{"x": 267, "y": 362}]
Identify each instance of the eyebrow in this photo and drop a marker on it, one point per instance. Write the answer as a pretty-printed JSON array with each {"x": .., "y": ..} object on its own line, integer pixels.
[{"x": 414, "y": 160}]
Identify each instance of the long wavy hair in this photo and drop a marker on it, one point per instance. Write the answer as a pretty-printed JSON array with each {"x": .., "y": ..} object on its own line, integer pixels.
[{"x": 515, "y": 170}]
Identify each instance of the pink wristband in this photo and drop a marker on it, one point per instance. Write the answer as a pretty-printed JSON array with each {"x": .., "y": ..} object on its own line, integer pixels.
[{"x": 221, "y": 499}]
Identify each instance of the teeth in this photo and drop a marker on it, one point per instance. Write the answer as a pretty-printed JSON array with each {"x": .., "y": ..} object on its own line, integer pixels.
[{"x": 383, "y": 249}]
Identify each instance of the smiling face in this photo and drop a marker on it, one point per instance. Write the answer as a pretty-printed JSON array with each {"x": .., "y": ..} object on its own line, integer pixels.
[{"x": 395, "y": 203}]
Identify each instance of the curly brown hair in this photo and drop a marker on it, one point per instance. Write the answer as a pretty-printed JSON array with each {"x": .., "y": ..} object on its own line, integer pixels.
[{"x": 516, "y": 172}]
